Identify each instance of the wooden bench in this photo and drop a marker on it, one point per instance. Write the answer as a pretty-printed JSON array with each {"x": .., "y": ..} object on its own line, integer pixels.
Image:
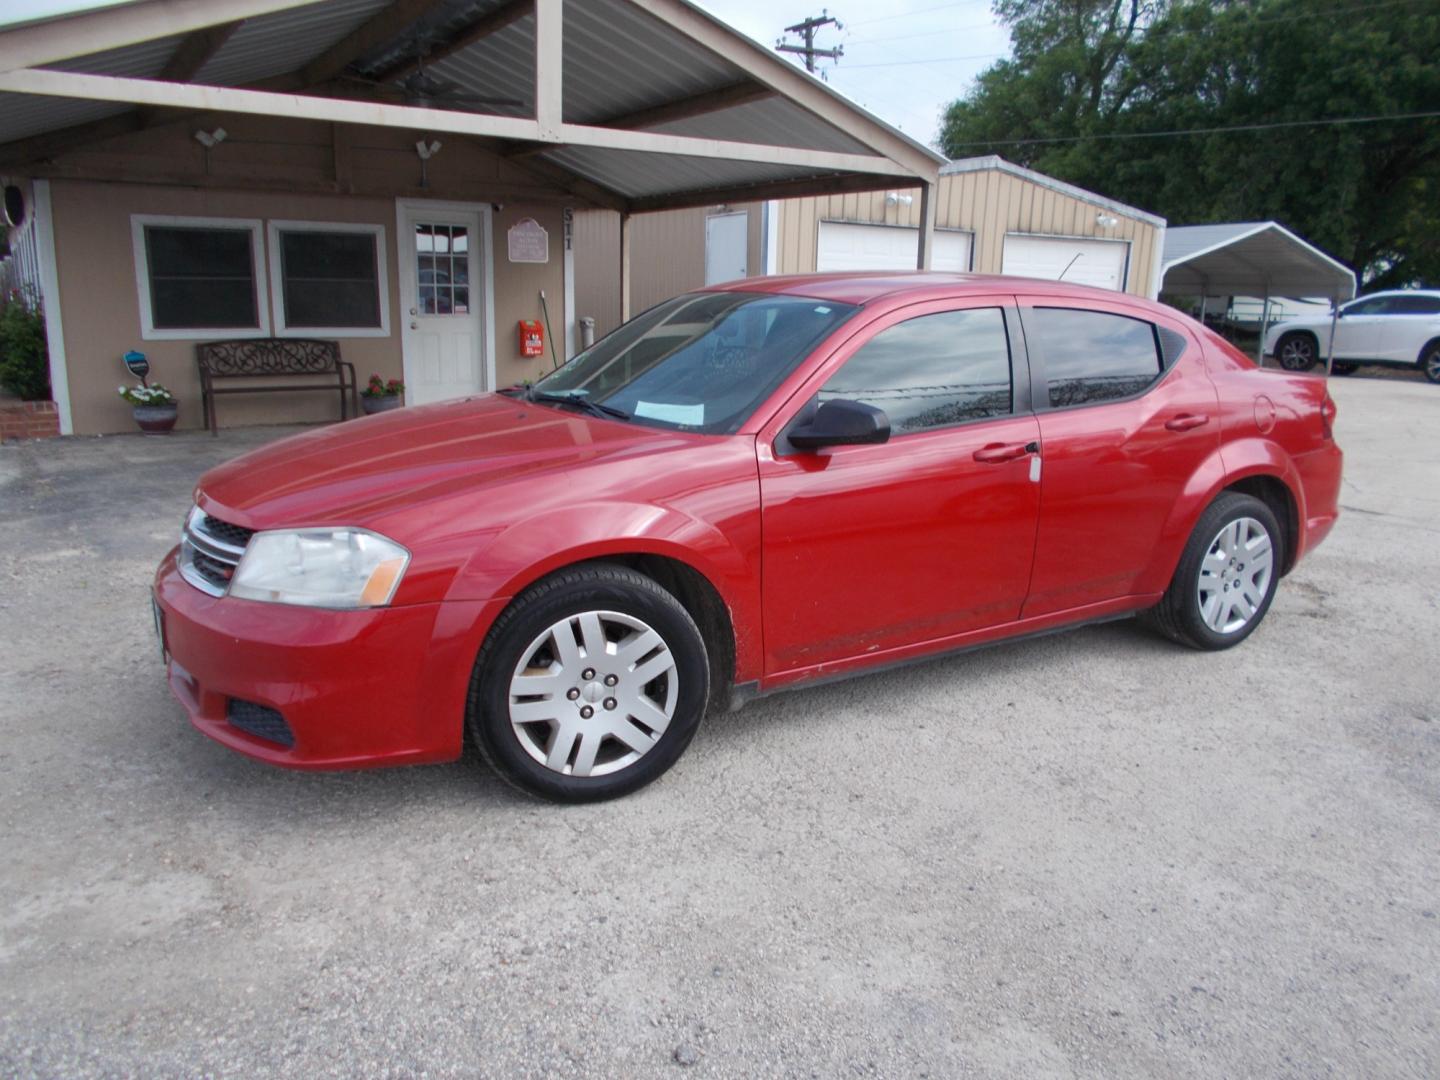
[{"x": 264, "y": 360}]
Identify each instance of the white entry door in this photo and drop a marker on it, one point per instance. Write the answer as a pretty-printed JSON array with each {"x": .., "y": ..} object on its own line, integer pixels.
[
  {"x": 442, "y": 292},
  {"x": 843, "y": 245},
  {"x": 726, "y": 242},
  {"x": 1078, "y": 259}
]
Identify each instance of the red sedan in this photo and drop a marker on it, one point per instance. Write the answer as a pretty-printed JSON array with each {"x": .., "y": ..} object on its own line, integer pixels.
[{"x": 739, "y": 491}]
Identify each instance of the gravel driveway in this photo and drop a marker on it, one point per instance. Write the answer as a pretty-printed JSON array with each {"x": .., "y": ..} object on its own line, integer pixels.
[{"x": 1094, "y": 854}]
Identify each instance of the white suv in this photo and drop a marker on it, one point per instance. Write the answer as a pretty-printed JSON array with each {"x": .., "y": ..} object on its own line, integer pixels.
[{"x": 1400, "y": 328}]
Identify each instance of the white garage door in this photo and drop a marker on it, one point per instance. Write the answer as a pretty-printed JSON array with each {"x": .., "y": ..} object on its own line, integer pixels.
[
  {"x": 1085, "y": 262},
  {"x": 843, "y": 246}
]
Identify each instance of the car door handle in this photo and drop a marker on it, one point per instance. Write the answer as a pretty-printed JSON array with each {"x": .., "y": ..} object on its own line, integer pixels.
[
  {"x": 997, "y": 453},
  {"x": 1187, "y": 421}
]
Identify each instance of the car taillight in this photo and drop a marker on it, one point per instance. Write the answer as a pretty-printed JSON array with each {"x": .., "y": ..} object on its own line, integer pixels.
[{"x": 1327, "y": 416}]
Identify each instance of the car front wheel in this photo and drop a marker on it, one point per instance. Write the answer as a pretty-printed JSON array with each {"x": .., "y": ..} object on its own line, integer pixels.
[
  {"x": 590, "y": 685},
  {"x": 1297, "y": 352},
  {"x": 1226, "y": 578}
]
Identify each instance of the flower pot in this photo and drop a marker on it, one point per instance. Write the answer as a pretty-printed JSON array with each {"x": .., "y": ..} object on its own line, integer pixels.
[
  {"x": 380, "y": 402},
  {"x": 156, "y": 419}
]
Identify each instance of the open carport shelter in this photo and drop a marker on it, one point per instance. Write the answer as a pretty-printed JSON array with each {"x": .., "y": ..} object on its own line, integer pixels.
[
  {"x": 1256, "y": 258},
  {"x": 395, "y": 175}
]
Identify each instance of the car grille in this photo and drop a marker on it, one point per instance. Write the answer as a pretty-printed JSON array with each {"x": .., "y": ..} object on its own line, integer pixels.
[
  {"x": 210, "y": 549},
  {"x": 260, "y": 721}
]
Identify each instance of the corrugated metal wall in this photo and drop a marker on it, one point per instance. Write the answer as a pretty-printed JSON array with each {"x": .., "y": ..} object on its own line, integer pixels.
[
  {"x": 989, "y": 204},
  {"x": 668, "y": 258}
]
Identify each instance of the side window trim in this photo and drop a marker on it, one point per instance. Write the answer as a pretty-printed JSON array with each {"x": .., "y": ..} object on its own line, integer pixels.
[{"x": 1039, "y": 387}]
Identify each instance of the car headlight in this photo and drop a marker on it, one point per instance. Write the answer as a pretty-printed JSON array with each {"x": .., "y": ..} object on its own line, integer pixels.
[{"x": 332, "y": 568}]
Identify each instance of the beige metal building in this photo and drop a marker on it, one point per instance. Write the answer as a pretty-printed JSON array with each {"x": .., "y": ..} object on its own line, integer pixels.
[
  {"x": 395, "y": 175},
  {"x": 991, "y": 217}
]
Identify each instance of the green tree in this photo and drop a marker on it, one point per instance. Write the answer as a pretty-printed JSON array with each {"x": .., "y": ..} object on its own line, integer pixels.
[{"x": 1091, "y": 82}]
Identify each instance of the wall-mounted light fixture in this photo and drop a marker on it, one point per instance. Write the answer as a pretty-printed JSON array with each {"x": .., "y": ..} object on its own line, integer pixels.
[
  {"x": 209, "y": 140},
  {"x": 1106, "y": 221},
  {"x": 895, "y": 198},
  {"x": 426, "y": 150}
]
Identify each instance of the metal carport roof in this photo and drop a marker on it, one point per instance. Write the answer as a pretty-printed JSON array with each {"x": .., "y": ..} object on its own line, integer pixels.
[
  {"x": 1257, "y": 258},
  {"x": 640, "y": 104}
]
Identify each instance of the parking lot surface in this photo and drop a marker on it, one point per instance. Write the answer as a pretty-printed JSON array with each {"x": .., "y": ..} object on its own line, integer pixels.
[{"x": 1093, "y": 854}]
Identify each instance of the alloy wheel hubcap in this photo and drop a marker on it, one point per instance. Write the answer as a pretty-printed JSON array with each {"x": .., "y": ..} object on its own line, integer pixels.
[
  {"x": 593, "y": 694},
  {"x": 1296, "y": 353},
  {"x": 1235, "y": 575}
]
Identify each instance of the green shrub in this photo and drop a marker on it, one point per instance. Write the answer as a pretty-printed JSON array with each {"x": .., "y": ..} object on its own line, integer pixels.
[{"x": 24, "y": 358}]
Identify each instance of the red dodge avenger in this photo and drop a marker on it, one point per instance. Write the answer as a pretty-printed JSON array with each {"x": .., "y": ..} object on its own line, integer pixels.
[{"x": 743, "y": 489}]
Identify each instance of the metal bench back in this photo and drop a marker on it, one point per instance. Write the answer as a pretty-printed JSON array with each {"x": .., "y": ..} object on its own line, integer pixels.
[{"x": 268, "y": 356}]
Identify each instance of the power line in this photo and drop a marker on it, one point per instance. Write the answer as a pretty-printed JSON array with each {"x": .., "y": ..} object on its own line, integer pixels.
[
  {"x": 918, "y": 11},
  {"x": 1272, "y": 126},
  {"x": 931, "y": 60},
  {"x": 926, "y": 34},
  {"x": 1140, "y": 34}
]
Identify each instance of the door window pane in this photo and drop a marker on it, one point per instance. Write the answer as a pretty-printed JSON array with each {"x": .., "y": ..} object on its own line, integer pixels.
[
  {"x": 1375, "y": 305},
  {"x": 330, "y": 279},
  {"x": 931, "y": 371},
  {"x": 443, "y": 269},
  {"x": 201, "y": 278},
  {"x": 1415, "y": 305},
  {"x": 1092, "y": 356}
]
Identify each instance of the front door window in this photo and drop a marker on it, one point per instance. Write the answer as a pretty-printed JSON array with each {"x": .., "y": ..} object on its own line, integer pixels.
[{"x": 442, "y": 267}]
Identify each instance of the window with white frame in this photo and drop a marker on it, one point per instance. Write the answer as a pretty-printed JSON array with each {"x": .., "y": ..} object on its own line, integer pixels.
[
  {"x": 199, "y": 277},
  {"x": 329, "y": 279}
]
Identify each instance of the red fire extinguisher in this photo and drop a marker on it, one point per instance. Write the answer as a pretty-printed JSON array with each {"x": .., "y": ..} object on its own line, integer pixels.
[{"x": 532, "y": 338}]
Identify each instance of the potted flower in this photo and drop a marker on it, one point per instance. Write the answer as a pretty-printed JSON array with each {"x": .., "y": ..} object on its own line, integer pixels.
[
  {"x": 154, "y": 407},
  {"x": 381, "y": 396}
]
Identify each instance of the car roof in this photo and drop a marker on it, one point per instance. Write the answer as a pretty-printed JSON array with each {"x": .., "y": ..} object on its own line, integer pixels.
[
  {"x": 1398, "y": 292},
  {"x": 863, "y": 286}
]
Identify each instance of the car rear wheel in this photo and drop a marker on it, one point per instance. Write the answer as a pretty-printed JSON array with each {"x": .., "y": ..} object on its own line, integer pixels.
[
  {"x": 1297, "y": 352},
  {"x": 1226, "y": 578},
  {"x": 590, "y": 685},
  {"x": 1430, "y": 363}
]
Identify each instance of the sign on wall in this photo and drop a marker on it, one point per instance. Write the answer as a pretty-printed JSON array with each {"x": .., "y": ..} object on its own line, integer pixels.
[{"x": 528, "y": 242}]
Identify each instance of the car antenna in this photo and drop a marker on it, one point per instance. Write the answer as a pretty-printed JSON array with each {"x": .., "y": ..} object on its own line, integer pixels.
[{"x": 1068, "y": 265}]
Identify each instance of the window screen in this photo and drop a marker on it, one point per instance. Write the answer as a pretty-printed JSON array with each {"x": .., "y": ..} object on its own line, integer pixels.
[
  {"x": 931, "y": 371},
  {"x": 1092, "y": 356},
  {"x": 330, "y": 279},
  {"x": 201, "y": 278}
]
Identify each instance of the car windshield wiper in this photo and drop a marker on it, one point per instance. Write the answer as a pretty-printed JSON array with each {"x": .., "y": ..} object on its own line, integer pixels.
[{"x": 594, "y": 408}]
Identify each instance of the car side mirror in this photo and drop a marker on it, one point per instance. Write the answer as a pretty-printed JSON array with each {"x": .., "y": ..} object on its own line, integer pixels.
[{"x": 842, "y": 423}]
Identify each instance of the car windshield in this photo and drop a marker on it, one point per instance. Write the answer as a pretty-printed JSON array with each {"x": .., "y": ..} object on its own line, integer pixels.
[{"x": 700, "y": 362}]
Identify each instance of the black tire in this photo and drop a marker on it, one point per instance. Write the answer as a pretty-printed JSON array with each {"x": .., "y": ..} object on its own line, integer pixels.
[
  {"x": 1297, "y": 351},
  {"x": 592, "y": 587},
  {"x": 1178, "y": 615},
  {"x": 1343, "y": 367},
  {"x": 1430, "y": 362}
]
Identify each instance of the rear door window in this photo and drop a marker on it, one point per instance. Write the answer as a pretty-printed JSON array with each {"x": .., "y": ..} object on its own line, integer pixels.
[
  {"x": 1415, "y": 305},
  {"x": 1094, "y": 356}
]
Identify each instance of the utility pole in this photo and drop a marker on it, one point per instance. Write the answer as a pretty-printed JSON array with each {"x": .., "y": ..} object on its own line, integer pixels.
[{"x": 807, "y": 30}]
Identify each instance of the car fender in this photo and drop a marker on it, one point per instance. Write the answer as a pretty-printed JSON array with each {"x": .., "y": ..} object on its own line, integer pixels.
[
  {"x": 1226, "y": 466},
  {"x": 533, "y": 547}
]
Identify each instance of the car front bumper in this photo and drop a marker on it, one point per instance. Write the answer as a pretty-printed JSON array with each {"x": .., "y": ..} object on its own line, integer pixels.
[{"x": 379, "y": 686}]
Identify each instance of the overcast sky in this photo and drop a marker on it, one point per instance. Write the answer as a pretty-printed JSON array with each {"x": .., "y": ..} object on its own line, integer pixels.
[{"x": 904, "y": 59}]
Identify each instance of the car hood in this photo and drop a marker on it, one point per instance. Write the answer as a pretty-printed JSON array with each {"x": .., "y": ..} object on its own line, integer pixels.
[{"x": 353, "y": 473}]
